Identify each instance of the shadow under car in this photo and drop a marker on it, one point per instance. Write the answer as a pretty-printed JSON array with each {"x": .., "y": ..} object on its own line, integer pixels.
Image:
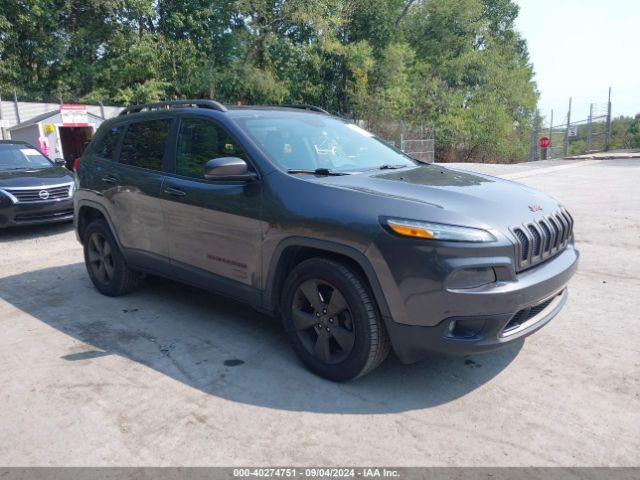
[{"x": 227, "y": 349}]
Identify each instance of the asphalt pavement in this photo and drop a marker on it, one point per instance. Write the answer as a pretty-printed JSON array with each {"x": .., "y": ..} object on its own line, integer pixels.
[{"x": 172, "y": 375}]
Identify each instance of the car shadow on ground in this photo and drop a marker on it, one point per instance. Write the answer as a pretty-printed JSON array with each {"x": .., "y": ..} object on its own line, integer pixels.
[
  {"x": 224, "y": 348},
  {"x": 27, "y": 232}
]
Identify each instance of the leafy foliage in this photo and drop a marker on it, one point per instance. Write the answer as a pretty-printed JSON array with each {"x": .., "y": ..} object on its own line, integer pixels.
[
  {"x": 455, "y": 65},
  {"x": 625, "y": 133}
]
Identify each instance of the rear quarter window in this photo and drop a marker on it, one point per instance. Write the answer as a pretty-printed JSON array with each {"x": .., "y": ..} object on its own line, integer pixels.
[
  {"x": 106, "y": 144},
  {"x": 144, "y": 144}
]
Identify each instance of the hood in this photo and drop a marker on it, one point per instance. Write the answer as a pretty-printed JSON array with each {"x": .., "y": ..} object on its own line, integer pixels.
[
  {"x": 477, "y": 200},
  {"x": 40, "y": 177}
]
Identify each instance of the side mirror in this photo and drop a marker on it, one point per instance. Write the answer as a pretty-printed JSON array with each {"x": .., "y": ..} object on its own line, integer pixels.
[
  {"x": 59, "y": 162},
  {"x": 228, "y": 168}
]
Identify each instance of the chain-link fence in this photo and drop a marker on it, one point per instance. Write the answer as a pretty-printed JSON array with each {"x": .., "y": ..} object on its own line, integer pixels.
[
  {"x": 569, "y": 137},
  {"x": 415, "y": 139}
]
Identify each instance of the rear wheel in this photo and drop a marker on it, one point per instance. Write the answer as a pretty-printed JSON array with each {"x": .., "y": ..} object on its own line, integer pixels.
[
  {"x": 104, "y": 261},
  {"x": 332, "y": 320}
]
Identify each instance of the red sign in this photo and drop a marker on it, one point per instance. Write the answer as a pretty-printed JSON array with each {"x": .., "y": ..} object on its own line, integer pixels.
[
  {"x": 544, "y": 142},
  {"x": 74, "y": 115}
]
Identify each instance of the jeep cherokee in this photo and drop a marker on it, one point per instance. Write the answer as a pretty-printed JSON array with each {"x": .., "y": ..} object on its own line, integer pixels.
[{"x": 357, "y": 247}]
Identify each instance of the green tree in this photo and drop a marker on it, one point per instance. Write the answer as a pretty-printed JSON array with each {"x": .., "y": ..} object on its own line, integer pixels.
[
  {"x": 484, "y": 98},
  {"x": 30, "y": 55},
  {"x": 456, "y": 65}
]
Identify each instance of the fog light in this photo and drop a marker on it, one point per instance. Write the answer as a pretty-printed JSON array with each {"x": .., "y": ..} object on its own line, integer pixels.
[
  {"x": 465, "y": 328},
  {"x": 471, "y": 277}
]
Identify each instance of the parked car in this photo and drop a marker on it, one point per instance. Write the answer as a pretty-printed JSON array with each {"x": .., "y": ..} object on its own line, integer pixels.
[
  {"x": 33, "y": 188},
  {"x": 357, "y": 247}
]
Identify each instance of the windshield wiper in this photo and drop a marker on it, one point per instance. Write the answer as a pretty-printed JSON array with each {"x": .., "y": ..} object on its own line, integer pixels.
[
  {"x": 386, "y": 166},
  {"x": 318, "y": 171}
]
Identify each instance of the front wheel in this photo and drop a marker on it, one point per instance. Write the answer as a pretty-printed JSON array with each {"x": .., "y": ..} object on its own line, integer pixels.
[{"x": 332, "y": 320}]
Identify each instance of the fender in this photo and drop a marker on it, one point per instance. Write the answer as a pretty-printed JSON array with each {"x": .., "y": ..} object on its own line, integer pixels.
[
  {"x": 269, "y": 301},
  {"x": 84, "y": 202}
]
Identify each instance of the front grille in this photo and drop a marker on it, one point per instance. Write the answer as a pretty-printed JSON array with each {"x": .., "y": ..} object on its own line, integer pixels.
[
  {"x": 27, "y": 195},
  {"x": 37, "y": 217},
  {"x": 542, "y": 239}
]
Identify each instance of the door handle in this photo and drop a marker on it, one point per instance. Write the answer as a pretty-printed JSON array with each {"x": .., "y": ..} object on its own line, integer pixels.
[
  {"x": 175, "y": 192},
  {"x": 110, "y": 179}
]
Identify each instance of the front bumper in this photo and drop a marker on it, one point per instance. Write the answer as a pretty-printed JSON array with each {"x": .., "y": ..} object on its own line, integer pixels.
[
  {"x": 490, "y": 332},
  {"x": 485, "y": 318},
  {"x": 33, "y": 213}
]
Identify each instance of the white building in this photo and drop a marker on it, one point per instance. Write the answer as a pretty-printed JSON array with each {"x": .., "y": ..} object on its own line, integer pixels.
[{"x": 58, "y": 130}]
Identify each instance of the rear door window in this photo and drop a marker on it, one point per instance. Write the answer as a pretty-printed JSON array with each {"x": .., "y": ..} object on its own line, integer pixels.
[
  {"x": 144, "y": 144},
  {"x": 106, "y": 145}
]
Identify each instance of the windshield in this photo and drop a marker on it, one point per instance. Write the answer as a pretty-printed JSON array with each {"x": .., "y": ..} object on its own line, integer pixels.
[
  {"x": 310, "y": 142},
  {"x": 21, "y": 157}
]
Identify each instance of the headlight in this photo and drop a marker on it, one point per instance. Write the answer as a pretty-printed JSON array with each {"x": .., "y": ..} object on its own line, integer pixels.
[
  {"x": 5, "y": 194},
  {"x": 438, "y": 231}
]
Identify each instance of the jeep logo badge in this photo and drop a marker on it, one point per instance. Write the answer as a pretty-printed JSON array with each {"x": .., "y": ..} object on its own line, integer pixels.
[
  {"x": 535, "y": 208},
  {"x": 43, "y": 194}
]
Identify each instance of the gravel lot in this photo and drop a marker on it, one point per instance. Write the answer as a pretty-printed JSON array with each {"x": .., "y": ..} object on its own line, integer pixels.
[{"x": 171, "y": 375}]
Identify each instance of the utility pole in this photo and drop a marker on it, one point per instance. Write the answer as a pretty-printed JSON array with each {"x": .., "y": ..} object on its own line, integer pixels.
[
  {"x": 548, "y": 152},
  {"x": 15, "y": 103},
  {"x": 607, "y": 138},
  {"x": 1, "y": 127},
  {"x": 533, "y": 151},
  {"x": 550, "y": 149},
  {"x": 589, "y": 128},
  {"x": 566, "y": 132}
]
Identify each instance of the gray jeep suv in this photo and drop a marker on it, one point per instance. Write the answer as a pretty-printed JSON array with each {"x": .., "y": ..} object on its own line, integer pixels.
[{"x": 357, "y": 247}]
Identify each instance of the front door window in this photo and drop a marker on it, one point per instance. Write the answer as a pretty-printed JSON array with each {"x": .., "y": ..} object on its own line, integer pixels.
[{"x": 199, "y": 141}]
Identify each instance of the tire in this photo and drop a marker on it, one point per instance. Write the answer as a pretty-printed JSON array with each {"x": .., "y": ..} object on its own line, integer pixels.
[
  {"x": 104, "y": 261},
  {"x": 357, "y": 340}
]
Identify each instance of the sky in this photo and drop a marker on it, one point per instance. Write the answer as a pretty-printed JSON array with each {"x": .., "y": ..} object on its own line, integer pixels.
[{"x": 580, "y": 48}]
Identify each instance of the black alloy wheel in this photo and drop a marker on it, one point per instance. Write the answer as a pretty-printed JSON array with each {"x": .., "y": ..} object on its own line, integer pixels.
[
  {"x": 105, "y": 263},
  {"x": 323, "y": 321},
  {"x": 100, "y": 258},
  {"x": 332, "y": 319}
]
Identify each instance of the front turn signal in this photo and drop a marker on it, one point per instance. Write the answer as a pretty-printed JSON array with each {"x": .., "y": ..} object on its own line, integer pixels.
[
  {"x": 410, "y": 231},
  {"x": 438, "y": 231}
]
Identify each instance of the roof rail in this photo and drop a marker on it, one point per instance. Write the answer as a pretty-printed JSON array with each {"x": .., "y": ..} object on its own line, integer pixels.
[
  {"x": 211, "y": 104},
  {"x": 305, "y": 106}
]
